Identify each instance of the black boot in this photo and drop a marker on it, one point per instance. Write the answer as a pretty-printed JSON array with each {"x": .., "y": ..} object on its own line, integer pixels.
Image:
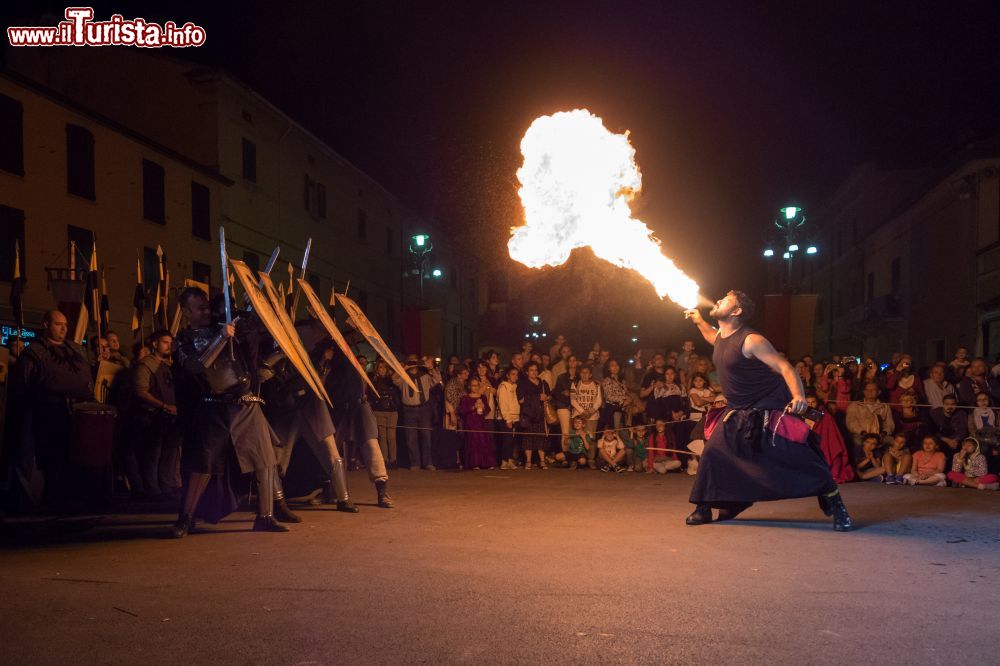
[
  {"x": 824, "y": 505},
  {"x": 182, "y": 527},
  {"x": 384, "y": 500},
  {"x": 702, "y": 515},
  {"x": 731, "y": 510},
  {"x": 841, "y": 519},
  {"x": 281, "y": 510},
  {"x": 267, "y": 524}
]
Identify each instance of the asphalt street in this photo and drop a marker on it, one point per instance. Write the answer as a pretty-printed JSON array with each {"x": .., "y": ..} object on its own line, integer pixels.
[{"x": 527, "y": 566}]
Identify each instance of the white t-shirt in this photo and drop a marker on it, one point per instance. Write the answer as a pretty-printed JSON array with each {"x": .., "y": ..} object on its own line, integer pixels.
[
  {"x": 706, "y": 394},
  {"x": 611, "y": 446}
]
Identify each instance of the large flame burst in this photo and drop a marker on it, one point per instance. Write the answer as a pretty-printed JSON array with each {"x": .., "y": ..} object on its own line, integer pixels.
[{"x": 576, "y": 184}]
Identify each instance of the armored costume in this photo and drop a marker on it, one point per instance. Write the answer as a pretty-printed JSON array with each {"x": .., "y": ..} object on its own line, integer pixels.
[{"x": 222, "y": 413}]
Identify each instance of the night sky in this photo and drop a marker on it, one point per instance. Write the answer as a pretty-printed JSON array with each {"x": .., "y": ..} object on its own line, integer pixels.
[{"x": 735, "y": 110}]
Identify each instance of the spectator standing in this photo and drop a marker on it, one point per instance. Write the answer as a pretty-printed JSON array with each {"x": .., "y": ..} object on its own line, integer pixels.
[
  {"x": 418, "y": 412},
  {"x": 508, "y": 419},
  {"x": 531, "y": 394},
  {"x": 386, "y": 409},
  {"x": 977, "y": 381},
  {"x": 474, "y": 409},
  {"x": 562, "y": 397},
  {"x": 700, "y": 395},
  {"x": 614, "y": 396}
]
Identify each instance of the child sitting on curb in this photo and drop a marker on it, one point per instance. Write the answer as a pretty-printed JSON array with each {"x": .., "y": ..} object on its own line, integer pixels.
[
  {"x": 968, "y": 468},
  {"x": 581, "y": 443},
  {"x": 928, "y": 465},
  {"x": 870, "y": 466},
  {"x": 897, "y": 460},
  {"x": 635, "y": 446},
  {"x": 662, "y": 462},
  {"x": 612, "y": 451}
]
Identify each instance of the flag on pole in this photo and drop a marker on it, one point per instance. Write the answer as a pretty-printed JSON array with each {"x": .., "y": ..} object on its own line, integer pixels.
[
  {"x": 17, "y": 289},
  {"x": 105, "y": 305},
  {"x": 138, "y": 301},
  {"x": 93, "y": 289},
  {"x": 166, "y": 299}
]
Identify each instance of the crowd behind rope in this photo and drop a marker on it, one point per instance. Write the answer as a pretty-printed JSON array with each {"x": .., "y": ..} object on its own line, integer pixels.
[{"x": 883, "y": 419}]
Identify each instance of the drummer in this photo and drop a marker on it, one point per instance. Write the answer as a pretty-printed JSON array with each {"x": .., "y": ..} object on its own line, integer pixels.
[{"x": 50, "y": 376}]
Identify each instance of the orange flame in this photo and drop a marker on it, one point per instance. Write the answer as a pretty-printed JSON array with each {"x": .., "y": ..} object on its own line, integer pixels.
[{"x": 576, "y": 183}]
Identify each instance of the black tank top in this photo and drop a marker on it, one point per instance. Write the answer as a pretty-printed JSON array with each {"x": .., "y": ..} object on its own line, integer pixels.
[{"x": 747, "y": 382}]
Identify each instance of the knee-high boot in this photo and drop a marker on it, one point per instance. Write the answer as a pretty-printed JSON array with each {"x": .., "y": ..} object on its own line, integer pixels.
[
  {"x": 336, "y": 488},
  {"x": 265, "y": 521}
]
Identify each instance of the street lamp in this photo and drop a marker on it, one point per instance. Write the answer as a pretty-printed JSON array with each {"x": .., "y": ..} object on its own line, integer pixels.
[
  {"x": 420, "y": 248},
  {"x": 768, "y": 253},
  {"x": 436, "y": 272},
  {"x": 788, "y": 232},
  {"x": 811, "y": 249}
]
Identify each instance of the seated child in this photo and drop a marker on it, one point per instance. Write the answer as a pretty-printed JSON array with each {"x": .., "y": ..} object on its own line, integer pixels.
[
  {"x": 661, "y": 462},
  {"x": 928, "y": 465},
  {"x": 896, "y": 461},
  {"x": 869, "y": 465},
  {"x": 580, "y": 443},
  {"x": 612, "y": 451},
  {"x": 968, "y": 468},
  {"x": 635, "y": 447}
]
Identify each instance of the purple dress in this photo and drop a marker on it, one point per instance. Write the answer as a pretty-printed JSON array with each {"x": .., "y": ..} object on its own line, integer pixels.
[{"x": 479, "y": 449}]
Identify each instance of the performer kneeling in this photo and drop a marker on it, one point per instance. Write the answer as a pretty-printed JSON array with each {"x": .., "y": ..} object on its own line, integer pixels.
[
  {"x": 757, "y": 448},
  {"x": 221, "y": 411}
]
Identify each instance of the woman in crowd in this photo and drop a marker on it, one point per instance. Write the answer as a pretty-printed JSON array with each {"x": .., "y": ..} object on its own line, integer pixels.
[
  {"x": 474, "y": 409},
  {"x": 815, "y": 382},
  {"x": 508, "y": 417},
  {"x": 562, "y": 397},
  {"x": 487, "y": 389},
  {"x": 614, "y": 396},
  {"x": 968, "y": 468},
  {"x": 386, "y": 410},
  {"x": 496, "y": 373},
  {"x": 700, "y": 395},
  {"x": 928, "y": 465},
  {"x": 909, "y": 421},
  {"x": 531, "y": 394}
]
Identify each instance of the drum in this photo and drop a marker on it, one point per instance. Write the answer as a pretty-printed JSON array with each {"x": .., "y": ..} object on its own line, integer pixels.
[{"x": 93, "y": 434}]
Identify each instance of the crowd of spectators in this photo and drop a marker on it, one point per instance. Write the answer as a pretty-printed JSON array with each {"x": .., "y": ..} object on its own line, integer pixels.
[{"x": 883, "y": 419}]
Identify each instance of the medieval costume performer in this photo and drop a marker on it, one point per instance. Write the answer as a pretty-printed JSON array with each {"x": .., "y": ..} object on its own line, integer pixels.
[
  {"x": 221, "y": 410},
  {"x": 757, "y": 448},
  {"x": 294, "y": 411}
]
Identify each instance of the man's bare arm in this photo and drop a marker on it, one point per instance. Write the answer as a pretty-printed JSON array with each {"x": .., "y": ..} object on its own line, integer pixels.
[
  {"x": 757, "y": 346},
  {"x": 707, "y": 331}
]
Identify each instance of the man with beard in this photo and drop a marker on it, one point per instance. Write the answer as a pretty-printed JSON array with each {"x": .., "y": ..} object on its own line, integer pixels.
[
  {"x": 50, "y": 376},
  {"x": 757, "y": 448},
  {"x": 217, "y": 394}
]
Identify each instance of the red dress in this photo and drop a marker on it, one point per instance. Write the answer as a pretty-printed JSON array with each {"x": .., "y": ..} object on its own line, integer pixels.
[{"x": 479, "y": 449}]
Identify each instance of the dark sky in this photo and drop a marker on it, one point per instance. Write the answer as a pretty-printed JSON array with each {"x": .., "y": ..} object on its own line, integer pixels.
[{"x": 735, "y": 108}]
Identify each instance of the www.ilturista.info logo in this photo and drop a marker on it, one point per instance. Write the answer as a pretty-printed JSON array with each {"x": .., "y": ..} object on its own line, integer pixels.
[{"x": 79, "y": 29}]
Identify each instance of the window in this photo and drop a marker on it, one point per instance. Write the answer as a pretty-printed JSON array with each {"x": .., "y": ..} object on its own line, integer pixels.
[
  {"x": 362, "y": 224},
  {"x": 390, "y": 241},
  {"x": 871, "y": 287},
  {"x": 896, "y": 275},
  {"x": 84, "y": 239},
  {"x": 201, "y": 226},
  {"x": 11, "y": 234},
  {"x": 201, "y": 273},
  {"x": 314, "y": 197},
  {"x": 80, "y": 162},
  {"x": 153, "y": 198},
  {"x": 249, "y": 160},
  {"x": 11, "y": 135},
  {"x": 252, "y": 260}
]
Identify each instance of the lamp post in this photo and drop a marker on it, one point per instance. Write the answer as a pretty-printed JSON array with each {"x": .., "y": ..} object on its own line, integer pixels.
[
  {"x": 789, "y": 238},
  {"x": 421, "y": 247}
]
